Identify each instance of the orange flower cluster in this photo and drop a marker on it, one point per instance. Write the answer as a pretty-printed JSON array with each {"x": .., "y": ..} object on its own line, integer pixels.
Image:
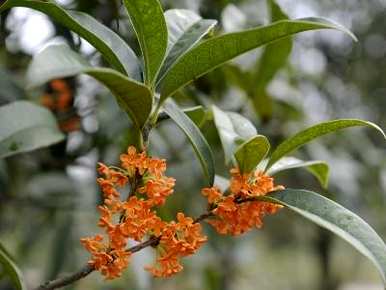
[
  {"x": 232, "y": 216},
  {"x": 59, "y": 99},
  {"x": 135, "y": 217}
]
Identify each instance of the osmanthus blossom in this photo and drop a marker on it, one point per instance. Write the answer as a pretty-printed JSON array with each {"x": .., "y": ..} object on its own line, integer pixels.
[{"x": 135, "y": 218}]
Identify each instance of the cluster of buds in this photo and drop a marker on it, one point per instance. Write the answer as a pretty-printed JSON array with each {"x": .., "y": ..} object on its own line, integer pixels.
[
  {"x": 237, "y": 213},
  {"x": 135, "y": 218}
]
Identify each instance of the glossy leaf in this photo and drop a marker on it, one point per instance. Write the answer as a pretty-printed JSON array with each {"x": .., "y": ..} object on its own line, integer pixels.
[
  {"x": 197, "y": 115},
  {"x": 319, "y": 169},
  {"x": 186, "y": 29},
  {"x": 233, "y": 130},
  {"x": 211, "y": 53},
  {"x": 106, "y": 41},
  {"x": 58, "y": 61},
  {"x": 25, "y": 126},
  {"x": 337, "y": 219},
  {"x": 249, "y": 154},
  {"x": 195, "y": 137},
  {"x": 150, "y": 26},
  {"x": 314, "y": 132},
  {"x": 11, "y": 270}
]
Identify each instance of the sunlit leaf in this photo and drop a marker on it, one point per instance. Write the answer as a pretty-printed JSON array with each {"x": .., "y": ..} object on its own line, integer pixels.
[
  {"x": 150, "y": 26},
  {"x": 186, "y": 29},
  {"x": 25, "y": 127},
  {"x": 314, "y": 132},
  {"x": 319, "y": 169},
  {"x": 249, "y": 154},
  {"x": 233, "y": 130},
  {"x": 211, "y": 53},
  {"x": 11, "y": 270},
  {"x": 106, "y": 41},
  {"x": 336, "y": 219},
  {"x": 58, "y": 61},
  {"x": 195, "y": 137}
]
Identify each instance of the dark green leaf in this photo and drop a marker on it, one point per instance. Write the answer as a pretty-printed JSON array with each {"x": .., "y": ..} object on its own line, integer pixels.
[
  {"x": 251, "y": 153},
  {"x": 58, "y": 61},
  {"x": 186, "y": 29},
  {"x": 318, "y": 168},
  {"x": 195, "y": 137},
  {"x": 106, "y": 41},
  {"x": 338, "y": 220},
  {"x": 314, "y": 132},
  {"x": 274, "y": 57},
  {"x": 11, "y": 270},
  {"x": 197, "y": 115},
  {"x": 233, "y": 130},
  {"x": 150, "y": 26},
  {"x": 25, "y": 127},
  {"x": 214, "y": 52}
]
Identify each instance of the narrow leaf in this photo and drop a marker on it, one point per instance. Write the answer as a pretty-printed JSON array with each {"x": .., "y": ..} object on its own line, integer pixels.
[
  {"x": 150, "y": 26},
  {"x": 273, "y": 58},
  {"x": 319, "y": 169},
  {"x": 338, "y": 220},
  {"x": 11, "y": 270},
  {"x": 195, "y": 137},
  {"x": 233, "y": 130},
  {"x": 314, "y": 132},
  {"x": 197, "y": 115},
  {"x": 251, "y": 153},
  {"x": 58, "y": 61},
  {"x": 116, "y": 52},
  {"x": 25, "y": 127},
  {"x": 214, "y": 52},
  {"x": 186, "y": 29}
]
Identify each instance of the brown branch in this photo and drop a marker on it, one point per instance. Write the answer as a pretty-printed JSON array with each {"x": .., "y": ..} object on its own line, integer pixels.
[
  {"x": 152, "y": 242},
  {"x": 66, "y": 280}
]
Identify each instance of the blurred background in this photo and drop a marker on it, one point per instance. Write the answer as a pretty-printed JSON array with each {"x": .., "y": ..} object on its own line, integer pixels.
[{"x": 48, "y": 198}]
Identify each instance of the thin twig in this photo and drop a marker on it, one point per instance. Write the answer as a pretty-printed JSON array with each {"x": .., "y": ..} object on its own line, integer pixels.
[{"x": 87, "y": 269}]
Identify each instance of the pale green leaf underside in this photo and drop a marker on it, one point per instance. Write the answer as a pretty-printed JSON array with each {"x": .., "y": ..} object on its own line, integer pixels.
[
  {"x": 195, "y": 137},
  {"x": 319, "y": 169},
  {"x": 186, "y": 29},
  {"x": 314, "y": 132},
  {"x": 11, "y": 270},
  {"x": 249, "y": 154},
  {"x": 214, "y": 52},
  {"x": 150, "y": 26},
  {"x": 338, "y": 220},
  {"x": 25, "y": 126},
  {"x": 233, "y": 130},
  {"x": 107, "y": 42},
  {"x": 58, "y": 61}
]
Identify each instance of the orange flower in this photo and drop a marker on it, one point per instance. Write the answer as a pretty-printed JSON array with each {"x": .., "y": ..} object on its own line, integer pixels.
[
  {"x": 157, "y": 190},
  {"x": 213, "y": 194},
  {"x": 232, "y": 216},
  {"x": 178, "y": 240}
]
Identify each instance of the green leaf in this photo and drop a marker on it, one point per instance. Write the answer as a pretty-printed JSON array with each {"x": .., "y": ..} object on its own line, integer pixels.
[
  {"x": 116, "y": 52},
  {"x": 251, "y": 153},
  {"x": 314, "y": 132},
  {"x": 274, "y": 57},
  {"x": 197, "y": 115},
  {"x": 233, "y": 130},
  {"x": 319, "y": 169},
  {"x": 195, "y": 137},
  {"x": 186, "y": 29},
  {"x": 11, "y": 270},
  {"x": 211, "y": 53},
  {"x": 25, "y": 127},
  {"x": 336, "y": 219},
  {"x": 58, "y": 61},
  {"x": 150, "y": 26}
]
